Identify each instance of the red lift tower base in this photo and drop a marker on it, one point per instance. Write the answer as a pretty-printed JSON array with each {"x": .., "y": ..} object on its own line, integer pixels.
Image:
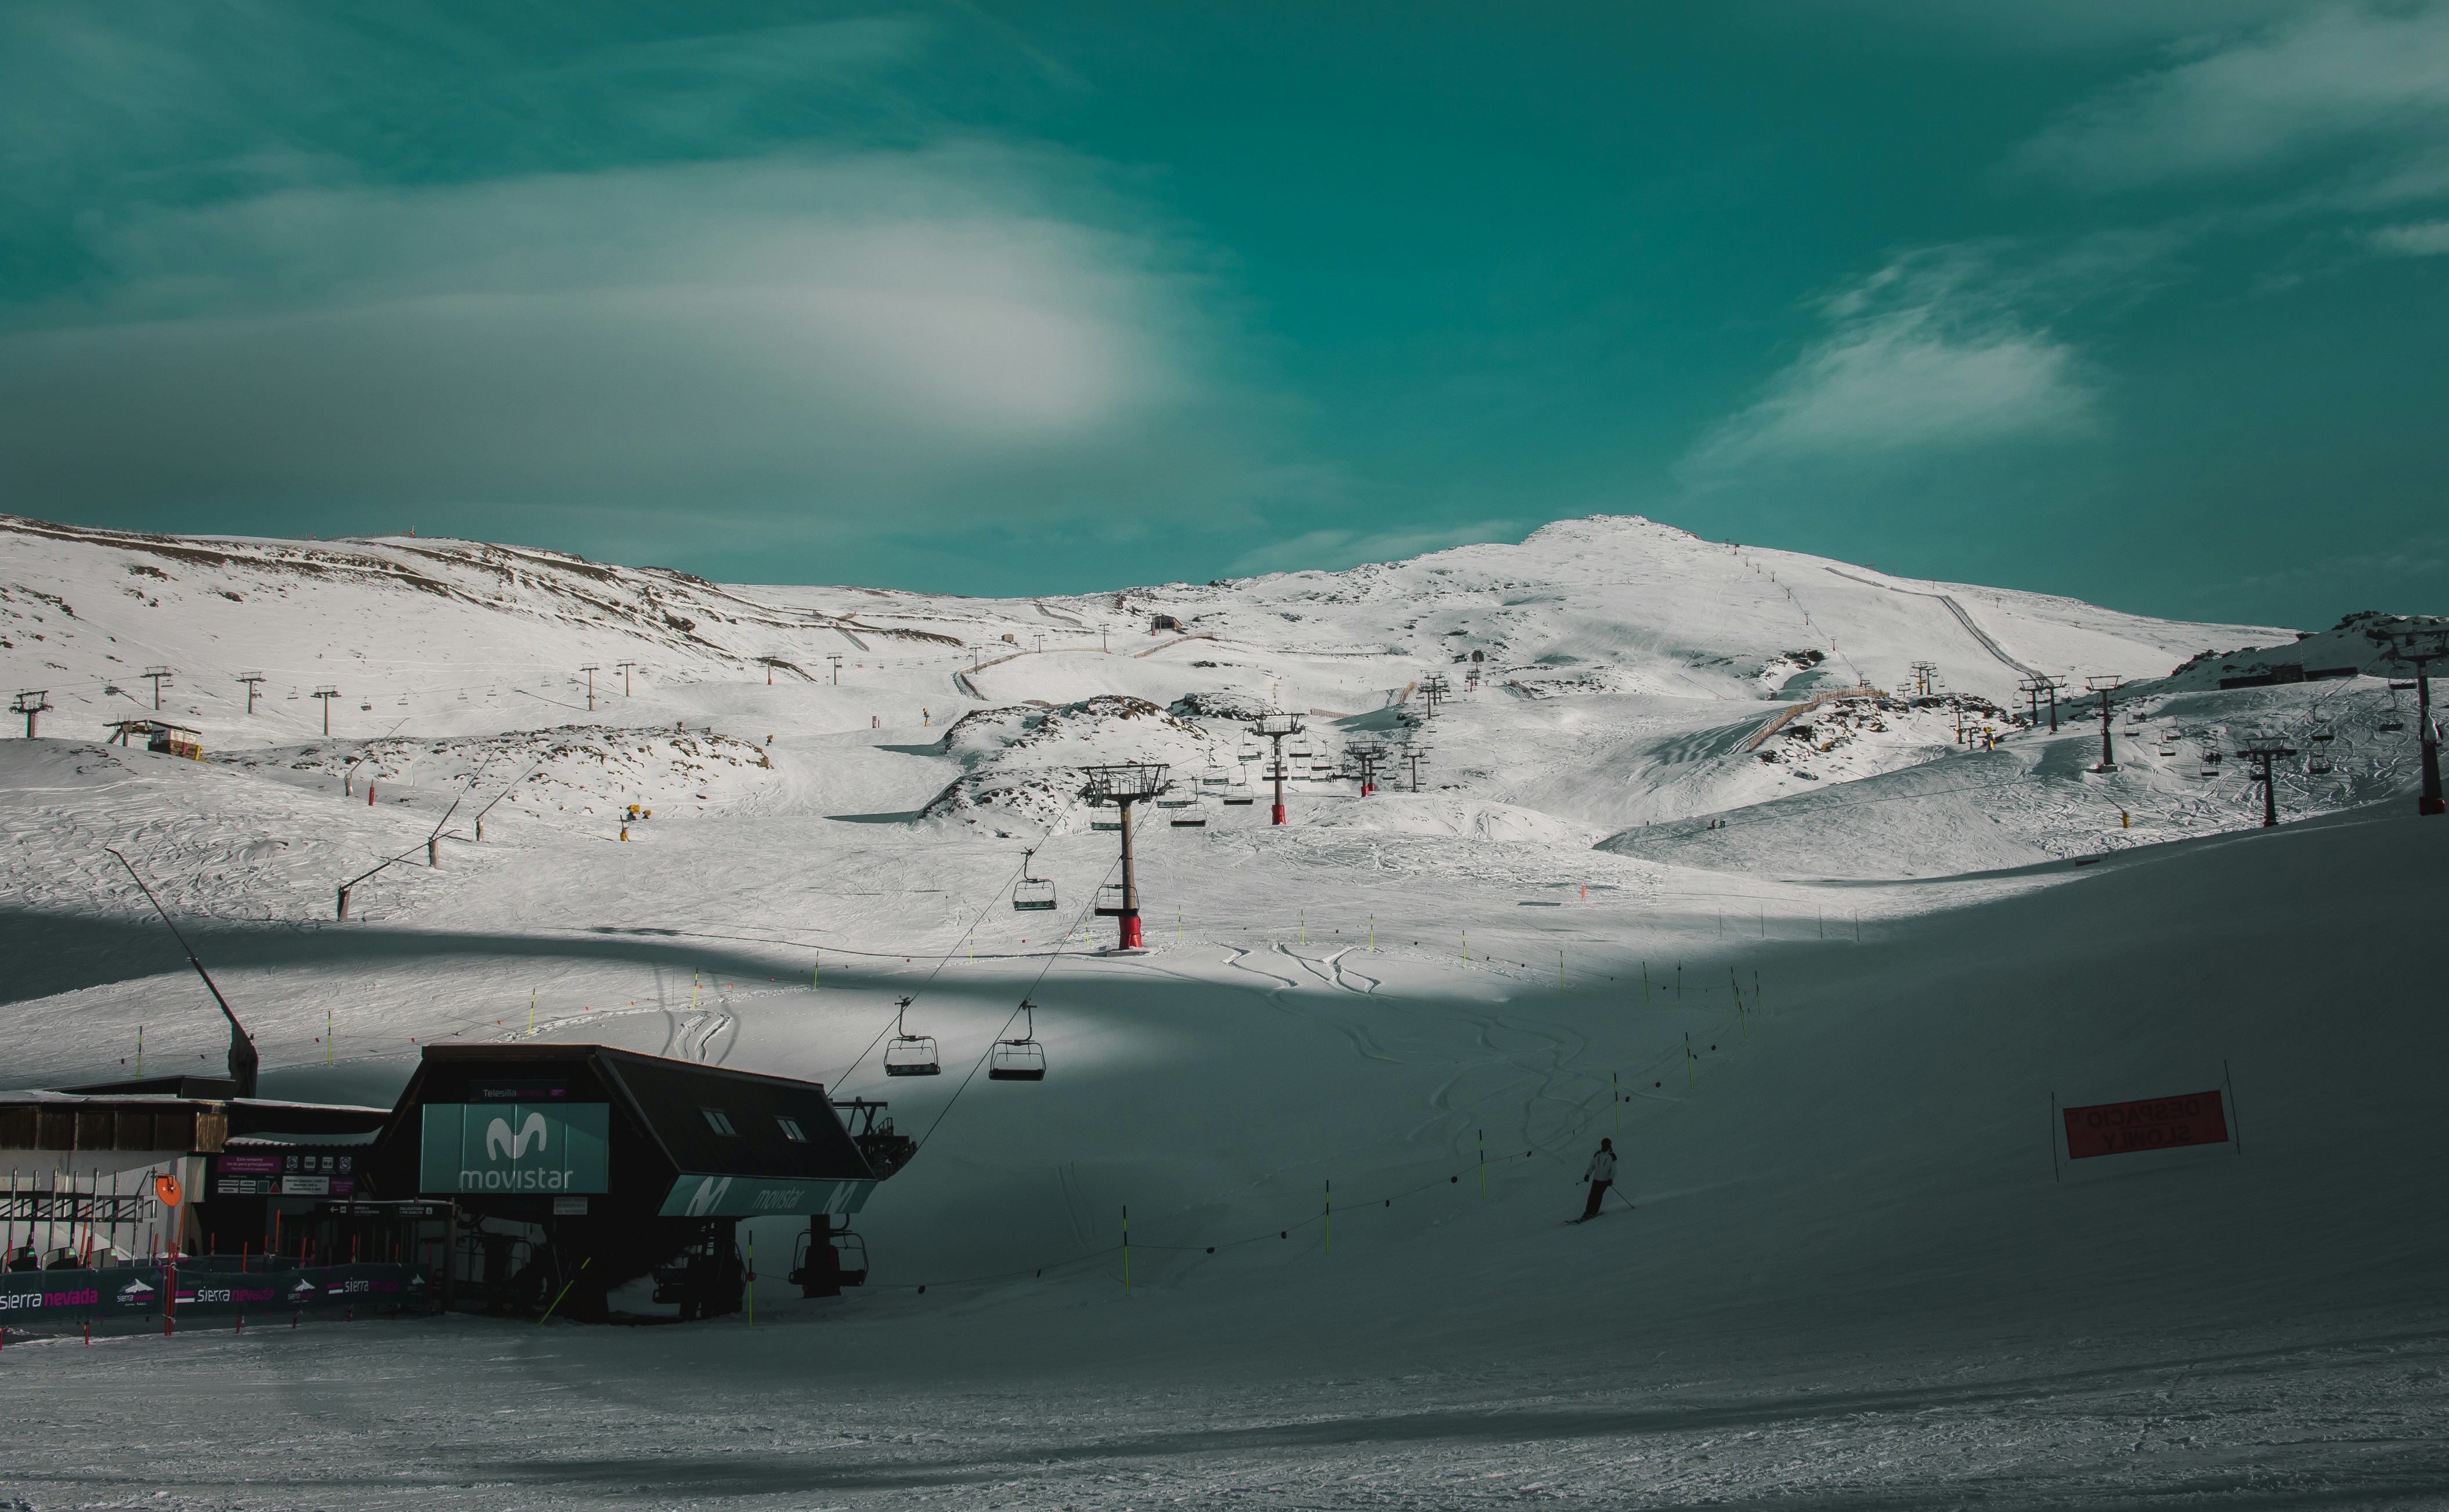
[{"x": 1278, "y": 813}]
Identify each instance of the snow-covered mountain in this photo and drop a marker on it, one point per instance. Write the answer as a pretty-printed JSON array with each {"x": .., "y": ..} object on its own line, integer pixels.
[{"x": 1610, "y": 672}]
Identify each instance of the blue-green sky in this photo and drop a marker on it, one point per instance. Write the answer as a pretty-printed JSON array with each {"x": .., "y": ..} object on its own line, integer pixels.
[{"x": 2138, "y": 301}]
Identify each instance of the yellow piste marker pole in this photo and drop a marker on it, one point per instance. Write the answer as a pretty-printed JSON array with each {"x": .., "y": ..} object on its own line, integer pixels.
[{"x": 1373, "y": 931}]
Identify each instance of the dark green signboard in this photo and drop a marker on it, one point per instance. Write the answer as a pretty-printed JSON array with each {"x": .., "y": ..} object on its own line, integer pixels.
[
  {"x": 750, "y": 1196},
  {"x": 512, "y": 1148}
]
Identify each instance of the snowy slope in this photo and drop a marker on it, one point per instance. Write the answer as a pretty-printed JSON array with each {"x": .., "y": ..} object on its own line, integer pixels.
[{"x": 1837, "y": 990}]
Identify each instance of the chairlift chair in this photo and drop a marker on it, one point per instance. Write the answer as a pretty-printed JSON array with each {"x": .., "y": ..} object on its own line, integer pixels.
[
  {"x": 2323, "y": 733},
  {"x": 1096, "y": 823},
  {"x": 1022, "y": 1059},
  {"x": 1034, "y": 895},
  {"x": 1190, "y": 816},
  {"x": 910, "y": 1054},
  {"x": 2318, "y": 765}
]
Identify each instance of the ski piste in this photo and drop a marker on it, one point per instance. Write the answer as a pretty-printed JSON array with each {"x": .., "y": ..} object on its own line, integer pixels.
[{"x": 1837, "y": 1020}]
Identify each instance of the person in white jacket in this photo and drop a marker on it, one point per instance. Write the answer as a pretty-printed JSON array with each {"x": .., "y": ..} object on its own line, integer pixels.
[{"x": 1601, "y": 1175}]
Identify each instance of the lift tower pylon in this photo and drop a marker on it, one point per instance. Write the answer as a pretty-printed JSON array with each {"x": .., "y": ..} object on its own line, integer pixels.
[
  {"x": 2105, "y": 686},
  {"x": 2262, "y": 750},
  {"x": 29, "y": 704},
  {"x": 1275, "y": 727},
  {"x": 1122, "y": 786},
  {"x": 2421, "y": 647}
]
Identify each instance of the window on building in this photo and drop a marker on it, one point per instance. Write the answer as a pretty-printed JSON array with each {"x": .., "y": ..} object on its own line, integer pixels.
[
  {"x": 790, "y": 1128},
  {"x": 719, "y": 1122}
]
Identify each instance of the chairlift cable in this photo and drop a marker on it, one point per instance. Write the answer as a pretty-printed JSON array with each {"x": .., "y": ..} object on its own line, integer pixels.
[
  {"x": 1000, "y": 891},
  {"x": 1026, "y": 998}
]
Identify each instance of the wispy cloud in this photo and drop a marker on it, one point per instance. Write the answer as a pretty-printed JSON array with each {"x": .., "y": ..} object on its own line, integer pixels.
[
  {"x": 2358, "y": 78},
  {"x": 1940, "y": 350},
  {"x": 1330, "y": 550},
  {"x": 2429, "y": 238}
]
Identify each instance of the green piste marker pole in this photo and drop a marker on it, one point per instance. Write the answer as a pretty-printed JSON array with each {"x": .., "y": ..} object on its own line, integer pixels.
[
  {"x": 531, "y": 997},
  {"x": 816, "y": 971},
  {"x": 565, "y": 1290},
  {"x": 1304, "y": 927},
  {"x": 1645, "y": 981},
  {"x": 1560, "y": 970},
  {"x": 140, "y": 1049},
  {"x": 1688, "y": 1058},
  {"x": 1615, "y": 1092}
]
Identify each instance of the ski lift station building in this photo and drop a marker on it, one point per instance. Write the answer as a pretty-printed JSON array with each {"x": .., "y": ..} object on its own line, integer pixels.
[
  {"x": 504, "y": 1176},
  {"x": 603, "y": 1164}
]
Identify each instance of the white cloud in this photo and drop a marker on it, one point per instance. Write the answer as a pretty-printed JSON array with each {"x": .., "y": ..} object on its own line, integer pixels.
[
  {"x": 2428, "y": 239},
  {"x": 2342, "y": 76},
  {"x": 1928, "y": 353},
  {"x": 874, "y": 338}
]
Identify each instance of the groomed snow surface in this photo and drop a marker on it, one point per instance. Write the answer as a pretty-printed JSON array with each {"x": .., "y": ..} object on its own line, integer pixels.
[{"x": 1825, "y": 1018}]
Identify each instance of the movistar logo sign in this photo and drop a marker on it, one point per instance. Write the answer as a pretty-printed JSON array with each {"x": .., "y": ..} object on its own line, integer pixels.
[
  {"x": 514, "y": 1148},
  {"x": 502, "y": 1145}
]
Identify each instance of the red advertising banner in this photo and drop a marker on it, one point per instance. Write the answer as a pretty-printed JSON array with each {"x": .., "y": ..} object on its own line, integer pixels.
[{"x": 2152, "y": 1123}]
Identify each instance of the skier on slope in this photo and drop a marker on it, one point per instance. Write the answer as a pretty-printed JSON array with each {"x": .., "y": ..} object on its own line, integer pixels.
[{"x": 1601, "y": 1175}]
